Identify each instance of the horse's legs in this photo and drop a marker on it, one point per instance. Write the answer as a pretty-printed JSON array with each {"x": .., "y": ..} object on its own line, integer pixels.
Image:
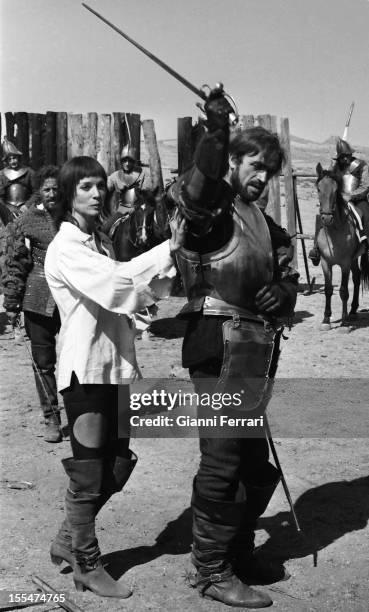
[
  {"x": 328, "y": 290},
  {"x": 344, "y": 293},
  {"x": 356, "y": 276}
]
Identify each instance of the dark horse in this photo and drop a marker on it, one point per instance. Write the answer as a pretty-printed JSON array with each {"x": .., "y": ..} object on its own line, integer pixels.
[
  {"x": 141, "y": 228},
  {"x": 338, "y": 245}
]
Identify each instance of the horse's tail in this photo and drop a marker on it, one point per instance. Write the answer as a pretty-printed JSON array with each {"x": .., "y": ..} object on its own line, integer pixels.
[{"x": 364, "y": 270}]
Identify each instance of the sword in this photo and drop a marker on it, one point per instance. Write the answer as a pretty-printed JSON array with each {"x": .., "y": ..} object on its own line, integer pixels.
[
  {"x": 233, "y": 117},
  {"x": 345, "y": 131}
]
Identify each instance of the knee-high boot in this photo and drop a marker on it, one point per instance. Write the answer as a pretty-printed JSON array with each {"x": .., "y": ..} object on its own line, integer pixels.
[
  {"x": 82, "y": 502},
  {"x": 117, "y": 472},
  {"x": 215, "y": 525},
  {"x": 248, "y": 566}
]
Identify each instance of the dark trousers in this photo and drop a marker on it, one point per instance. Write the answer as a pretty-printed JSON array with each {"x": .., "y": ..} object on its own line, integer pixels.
[
  {"x": 41, "y": 331},
  {"x": 96, "y": 429},
  {"x": 226, "y": 463}
]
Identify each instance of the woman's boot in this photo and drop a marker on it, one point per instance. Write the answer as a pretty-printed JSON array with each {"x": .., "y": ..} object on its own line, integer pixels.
[
  {"x": 82, "y": 503},
  {"x": 248, "y": 566},
  {"x": 215, "y": 525},
  {"x": 116, "y": 473}
]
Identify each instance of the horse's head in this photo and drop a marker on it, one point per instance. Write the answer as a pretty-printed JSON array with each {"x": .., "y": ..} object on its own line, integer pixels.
[
  {"x": 329, "y": 194},
  {"x": 142, "y": 219}
]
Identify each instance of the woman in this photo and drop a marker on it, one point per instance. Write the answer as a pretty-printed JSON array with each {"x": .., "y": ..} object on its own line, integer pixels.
[
  {"x": 96, "y": 297},
  {"x": 25, "y": 288}
]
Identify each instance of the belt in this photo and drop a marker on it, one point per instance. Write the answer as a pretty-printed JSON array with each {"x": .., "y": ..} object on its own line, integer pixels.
[{"x": 214, "y": 307}]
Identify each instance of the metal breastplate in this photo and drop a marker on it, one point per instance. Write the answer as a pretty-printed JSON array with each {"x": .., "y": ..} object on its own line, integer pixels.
[
  {"x": 237, "y": 271},
  {"x": 350, "y": 182},
  {"x": 16, "y": 194}
]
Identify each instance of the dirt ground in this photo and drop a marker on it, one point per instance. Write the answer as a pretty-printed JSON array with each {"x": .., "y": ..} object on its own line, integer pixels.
[{"x": 145, "y": 533}]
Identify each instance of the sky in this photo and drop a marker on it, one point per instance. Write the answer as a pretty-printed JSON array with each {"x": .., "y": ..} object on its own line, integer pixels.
[{"x": 302, "y": 59}]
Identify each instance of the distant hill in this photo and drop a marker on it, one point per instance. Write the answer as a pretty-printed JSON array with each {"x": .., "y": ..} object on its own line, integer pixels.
[{"x": 305, "y": 153}]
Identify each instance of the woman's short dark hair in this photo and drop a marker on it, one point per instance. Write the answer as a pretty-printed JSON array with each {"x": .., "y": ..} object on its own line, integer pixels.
[
  {"x": 255, "y": 140},
  {"x": 46, "y": 172},
  {"x": 74, "y": 171}
]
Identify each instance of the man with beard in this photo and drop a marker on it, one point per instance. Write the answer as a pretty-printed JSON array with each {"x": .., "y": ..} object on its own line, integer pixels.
[
  {"x": 17, "y": 183},
  {"x": 231, "y": 275},
  {"x": 25, "y": 288},
  {"x": 353, "y": 176}
]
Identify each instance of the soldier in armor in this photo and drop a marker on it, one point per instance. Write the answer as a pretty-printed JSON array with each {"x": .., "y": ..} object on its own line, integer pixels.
[
  {"x": 25, "y": 288},
  {"x": 231, "y": 274},
  {"x": 123, "y": 182},
  {"x": 354, "y": 179},
  {"x": 17, "y": 183}
]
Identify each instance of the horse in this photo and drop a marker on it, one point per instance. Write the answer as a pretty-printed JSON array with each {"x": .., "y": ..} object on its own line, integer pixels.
[
  {"x": 338, "y": 245},
  {"x": 141, "y": 228}
]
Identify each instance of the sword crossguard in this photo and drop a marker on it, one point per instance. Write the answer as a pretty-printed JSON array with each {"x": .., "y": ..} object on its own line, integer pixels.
[{"x": 219, "y": 108}]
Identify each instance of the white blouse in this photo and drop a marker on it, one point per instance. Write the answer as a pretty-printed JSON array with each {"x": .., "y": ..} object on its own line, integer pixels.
[{"x": 96, "y": 297}]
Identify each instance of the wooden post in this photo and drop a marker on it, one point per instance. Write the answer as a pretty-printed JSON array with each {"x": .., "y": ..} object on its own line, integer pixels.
[
  {"x": 196, "y": 135},
  {"x": 247, "y": 121},
  {"x": 132, "y": 131},
  {"x": 274, "y": 202},
  {"x": 9, "y": 125},
  {"x": 50, "y": 138},
  {"x": 75, "y": 138},
  {"x": 184, "y": 143},
  {"x": 288, "y": 184},
  {"x": 89, "y": 134},
  {"x": 116, "y": 140},
  {"x": 154, "y": 157},
  {"x": 103, "y": 142},
  {"x": 264, "y": 121},
  {"x": 37, "y": 131},
  {"x": 61, "y": 138},
  {"x": 22, "y": 139}
]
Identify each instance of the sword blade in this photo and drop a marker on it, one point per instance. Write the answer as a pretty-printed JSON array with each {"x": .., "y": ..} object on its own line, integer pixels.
[{"x": 159, "y": 62}]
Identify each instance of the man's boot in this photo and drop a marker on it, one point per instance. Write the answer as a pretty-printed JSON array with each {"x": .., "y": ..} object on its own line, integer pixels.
[
  {"x": 116, "y": 473},
  {"x": 248, "y": 566},
  {"x": 82, "y": 503},
  {"x": 53, "y": 427},
  {"x": 215, "y": 525}
]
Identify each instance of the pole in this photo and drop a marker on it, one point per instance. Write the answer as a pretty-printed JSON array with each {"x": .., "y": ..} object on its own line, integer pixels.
[
  {"x": 345, "y": 131},
  {"x": 38, "y": 373},
  {"x": 268, "y": 434},
  {"x": 297, "y": 209}
]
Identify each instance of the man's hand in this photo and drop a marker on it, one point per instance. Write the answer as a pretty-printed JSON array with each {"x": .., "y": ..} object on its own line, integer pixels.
[
  {"x": 217, "y": 109},
  {"x": 269, "y": 298},
  {"x": 178, "y": 229}
]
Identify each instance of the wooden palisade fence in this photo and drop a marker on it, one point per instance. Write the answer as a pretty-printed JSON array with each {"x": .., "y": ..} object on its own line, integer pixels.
[{"x": 54, "y": 137}]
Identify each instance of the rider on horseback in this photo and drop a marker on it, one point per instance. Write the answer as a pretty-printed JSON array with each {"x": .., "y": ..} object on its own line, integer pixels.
[
  {"x": 353, "y": 174},
  {"x": 124, "y": 181}
]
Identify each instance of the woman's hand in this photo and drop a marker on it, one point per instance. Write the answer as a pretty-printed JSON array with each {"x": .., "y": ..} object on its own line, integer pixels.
[{"x": 178, "y": 229}]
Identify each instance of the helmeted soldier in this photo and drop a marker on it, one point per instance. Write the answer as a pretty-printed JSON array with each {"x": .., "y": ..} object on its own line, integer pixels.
[
  {"x": 124, "y": 181},
  {"x": 353, "y": 175},
  {"x": 17, "y": 183},
  {"x": 232, "y": 278}
]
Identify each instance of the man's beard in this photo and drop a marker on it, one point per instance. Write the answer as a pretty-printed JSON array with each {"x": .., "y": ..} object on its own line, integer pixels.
[{"x": 244, "y": 191}]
